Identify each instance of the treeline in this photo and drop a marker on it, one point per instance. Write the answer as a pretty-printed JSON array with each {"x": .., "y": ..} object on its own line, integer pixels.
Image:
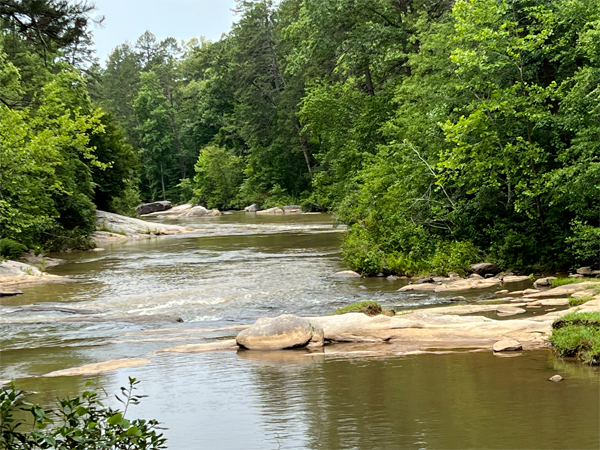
[
  {"x": 60, "y": 154},
  {"x": 440, "y": 131}
]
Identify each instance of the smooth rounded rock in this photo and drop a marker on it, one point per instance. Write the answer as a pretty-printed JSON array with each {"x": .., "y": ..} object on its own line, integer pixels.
[
  {"x": 345, "y": 274},
  {"x": 148, "y": 208},
  {"x": 507, "y": 345},
  {"x": 282, "y": 332},
  {"x": 556, "y": 378},
  {"x": 484, "y": 268}
]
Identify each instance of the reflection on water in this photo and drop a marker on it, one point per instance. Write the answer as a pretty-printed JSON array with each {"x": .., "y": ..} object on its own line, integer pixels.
[
  {"x": 124, "y": 302},
  {"x": 288, "y": 400}
]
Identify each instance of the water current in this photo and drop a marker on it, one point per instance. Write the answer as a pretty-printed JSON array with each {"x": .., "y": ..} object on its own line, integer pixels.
[{"x": 124, "y": 301}]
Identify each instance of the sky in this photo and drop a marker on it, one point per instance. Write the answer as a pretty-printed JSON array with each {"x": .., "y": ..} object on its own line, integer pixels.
[{"x": 126, "y": 20}]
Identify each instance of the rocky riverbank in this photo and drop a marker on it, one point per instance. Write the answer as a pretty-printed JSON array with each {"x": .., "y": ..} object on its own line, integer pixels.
[
  {"x": 15, "y": 274},
  {"x": 116, "y": 228}
]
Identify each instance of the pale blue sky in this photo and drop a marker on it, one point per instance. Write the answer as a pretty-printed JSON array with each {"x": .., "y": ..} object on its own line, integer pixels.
[{"x": 126, "y": 20}]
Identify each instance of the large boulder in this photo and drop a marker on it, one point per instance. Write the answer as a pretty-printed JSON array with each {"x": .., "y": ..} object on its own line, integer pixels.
[
  {"x": 484, "y": 268},
  {"x": 279, "y": 333},
  {"x": 252, "y": 208},
  {"x": 148, "y": 208},
  {"x": 201, "y": 211}
]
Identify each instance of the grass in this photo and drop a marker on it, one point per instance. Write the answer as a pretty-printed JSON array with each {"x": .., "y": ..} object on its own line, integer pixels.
[
  {"x": 370, "y": 308},
  {"x": 580, "y": 300},
  {"x": 562, "y": 281},
  {"x": 578, "y": 334}
]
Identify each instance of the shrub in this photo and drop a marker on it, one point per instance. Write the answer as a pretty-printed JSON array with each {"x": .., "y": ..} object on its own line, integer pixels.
[
  {"x": 78, "y": 423},
  {"x": 10, "y": 249}
]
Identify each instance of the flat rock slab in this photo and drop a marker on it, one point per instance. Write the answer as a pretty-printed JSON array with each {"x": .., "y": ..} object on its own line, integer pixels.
[
  {"x": 116, "y": 223},
  {"x": 270, "y": 211},
  {"x": 92, "y": 369},
  {"x": 282, "y": 332},
  {"x": 509, "y": 310},
  {"x": 13, "y": 273},
  {"x": 507, "y": 345},
  {"x": 514, "y": 278},
  {"x": 454, "y": 286},
  {"x": 567, "y": 289},
  {"x": 229, "y": 344}
]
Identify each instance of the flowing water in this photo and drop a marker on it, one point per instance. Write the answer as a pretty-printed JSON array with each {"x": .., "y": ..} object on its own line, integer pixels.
[{"x": 124, "y": 301}]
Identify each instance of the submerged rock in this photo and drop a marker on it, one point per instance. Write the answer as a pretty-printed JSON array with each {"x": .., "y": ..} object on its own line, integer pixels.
[
  {"x": 279, "y": 333},
  {"x": 148, "y": 208},
  {"x": 92, "y": 369},
  {"x": 345, "y": 274},
  {"x": 507, "y": 345},
  {"x": 8, "y": 292}
]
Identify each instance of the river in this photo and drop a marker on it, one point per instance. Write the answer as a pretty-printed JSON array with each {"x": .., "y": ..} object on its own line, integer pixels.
[{"x": 123, "y": 302}]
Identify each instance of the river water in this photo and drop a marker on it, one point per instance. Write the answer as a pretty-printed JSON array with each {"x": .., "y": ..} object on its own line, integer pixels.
[{"x": 123, "y": 302}]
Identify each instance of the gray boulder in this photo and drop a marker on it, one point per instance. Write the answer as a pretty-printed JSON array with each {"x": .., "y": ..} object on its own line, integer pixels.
[
  {"x": 484, "y": 268},
  {"x": 279, "y": 333},
  {"x": 252, "y": 208},
  {"x": 201, "y": 211},
  {"x": 148, "y": 208},
  {"x": 543, "y": 282},
  {"x": 586, "y": 271},
  {"x": 345, "y": 274}
]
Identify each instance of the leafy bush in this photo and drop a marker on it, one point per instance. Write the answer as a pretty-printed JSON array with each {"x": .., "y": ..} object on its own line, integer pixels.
[
  {"x": 361, "y": 253},
  {"x": 79, "y": 423},
  {"x": 219, "y": 175},
  {"x": 584, "y": 244},
  {"x": 10, "y": 249},
  {"x": 454, "y": 257}
]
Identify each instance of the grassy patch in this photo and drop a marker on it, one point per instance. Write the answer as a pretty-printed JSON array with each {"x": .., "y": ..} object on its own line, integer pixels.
[
  {"x": 580, "y": 300},
  {"x": 588, "y": 319},
  {"x": 562, "y": 281},
  {"x": 370, "y": 308},
  {"x": 578, "y": 335}
]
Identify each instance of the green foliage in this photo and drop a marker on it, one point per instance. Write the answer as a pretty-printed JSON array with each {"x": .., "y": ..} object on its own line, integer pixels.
[
  {"x": 81, "y": 422},
  {"x": 370, "y": 308},
  {"x": 584, "y": 244},
  {"x": 10, "y": 249},
  {"x": 219, "y": 175},
  {"x": 578, "y": 335}
]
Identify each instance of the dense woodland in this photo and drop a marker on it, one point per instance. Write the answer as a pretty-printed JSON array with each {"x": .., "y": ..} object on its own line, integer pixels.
[{"x": 441, "y": 132}]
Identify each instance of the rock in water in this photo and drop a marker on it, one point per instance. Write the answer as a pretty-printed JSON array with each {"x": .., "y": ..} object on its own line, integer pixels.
[
  {"x": 148, "y": 208},
  {"x": 507, "y": 345},
  {"x": 270, "y": 211},
  {"x": 279, "y": 333},
  {"x": 252, "y": 208},
  {"x": 484, "y": 268},
  {"x": 201, "y": 211},
  {"x": 8, "y": 292},
  {"x": 556, "y": 378},
  {"x": 345, "y": 274}
]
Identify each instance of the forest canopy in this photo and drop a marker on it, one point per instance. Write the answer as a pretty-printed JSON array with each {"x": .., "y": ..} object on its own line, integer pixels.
[{"x": 441, "y": 132}]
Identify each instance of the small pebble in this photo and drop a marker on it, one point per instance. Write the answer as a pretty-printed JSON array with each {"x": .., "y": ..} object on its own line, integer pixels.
[{"x": 556, "y": 378}]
